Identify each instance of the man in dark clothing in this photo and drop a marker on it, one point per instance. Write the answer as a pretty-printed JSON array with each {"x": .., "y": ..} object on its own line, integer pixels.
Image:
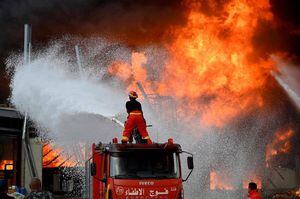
[
  {"x": 4, "y": 189},
  {"x": 135, "y": 119}
]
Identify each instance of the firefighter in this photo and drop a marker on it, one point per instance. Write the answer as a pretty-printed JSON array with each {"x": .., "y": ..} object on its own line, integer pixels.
[
  {"x": 253, "y": 192},
  {"x": 135, "y": 119}
]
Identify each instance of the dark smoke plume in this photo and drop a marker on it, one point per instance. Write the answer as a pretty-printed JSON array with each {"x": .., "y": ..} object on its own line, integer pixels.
[{"x": 133, "y": 22}]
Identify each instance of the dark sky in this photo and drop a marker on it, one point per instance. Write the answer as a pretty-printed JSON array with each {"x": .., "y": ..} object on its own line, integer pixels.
[{"x": 137, "y": 22}]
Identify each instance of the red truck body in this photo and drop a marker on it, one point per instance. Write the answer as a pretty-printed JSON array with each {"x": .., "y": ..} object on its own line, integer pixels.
[{"x": 136, "y": 171}]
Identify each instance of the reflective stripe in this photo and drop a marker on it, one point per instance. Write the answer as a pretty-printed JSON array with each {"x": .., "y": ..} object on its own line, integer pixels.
[
  {"x": 146, "y": 138},
  {"x": 135, "y": 113},
  {"x": 125, "y": 138},
  {"x": 107, "y": 191}
]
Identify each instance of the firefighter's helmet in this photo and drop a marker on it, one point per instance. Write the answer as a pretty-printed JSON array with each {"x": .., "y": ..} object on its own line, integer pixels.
[{"x": 133, "y": 94}]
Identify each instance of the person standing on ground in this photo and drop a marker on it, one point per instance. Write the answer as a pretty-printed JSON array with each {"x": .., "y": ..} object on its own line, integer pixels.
[
  {"x": 36, "y": 190},
  {"x": 253, "y": 192}
]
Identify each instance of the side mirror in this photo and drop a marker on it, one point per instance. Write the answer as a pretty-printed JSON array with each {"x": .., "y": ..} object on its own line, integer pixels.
[
  {"x": 93, "y": 169},
  {"x": 190, "y": 162}
]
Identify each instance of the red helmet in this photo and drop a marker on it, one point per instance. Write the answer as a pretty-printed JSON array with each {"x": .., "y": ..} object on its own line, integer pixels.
[{"x": 133, "y": 94}]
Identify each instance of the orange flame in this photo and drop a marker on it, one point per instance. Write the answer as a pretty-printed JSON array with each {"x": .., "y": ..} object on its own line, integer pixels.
[
  {"x": 219, "y": 182},
  {"x": 54, "y": 157},
  {"x": 297, "y": 192},
  {"x": 6, "y": 165},
  {"x": 134, "y": 72},
  {"x": 280, "y": 145},
  {"x": 212, "y": 70}
]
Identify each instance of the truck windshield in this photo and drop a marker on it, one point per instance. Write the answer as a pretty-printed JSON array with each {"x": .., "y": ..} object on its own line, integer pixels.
[{"x": 132, "y": 165}]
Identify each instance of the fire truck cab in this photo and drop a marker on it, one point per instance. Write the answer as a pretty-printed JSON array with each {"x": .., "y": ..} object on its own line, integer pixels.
[{"x": 137, "y": 171}]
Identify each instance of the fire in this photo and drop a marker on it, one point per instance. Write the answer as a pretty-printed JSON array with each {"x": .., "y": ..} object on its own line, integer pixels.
[
  {"x": 298, "y": 192},
  {"x": 6, "y": 165},
  {"x": 281, "y": 144},
  {"x": 55, "y": 157},
  {"x": 212, "y": 70},
  {"x": 219, "y": 182},
  {"x": 132, "y": 73}
]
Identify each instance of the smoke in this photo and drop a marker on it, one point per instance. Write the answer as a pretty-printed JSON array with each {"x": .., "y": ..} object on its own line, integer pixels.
[
  {"x": 136, "y": 23},
  {"x": 133, "y": 22}
]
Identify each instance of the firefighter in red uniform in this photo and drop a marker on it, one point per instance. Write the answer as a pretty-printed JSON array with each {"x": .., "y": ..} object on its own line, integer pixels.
[
  {"x": 253, "y": 192},
  {"x": 135, "y": 119}
]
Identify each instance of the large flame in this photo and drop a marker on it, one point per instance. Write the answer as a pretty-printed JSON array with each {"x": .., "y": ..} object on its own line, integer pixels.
[
  {"x": 213, "y": 71},
  {"x": 55, "y": 157},
  {"x": 281, "y": 144}
]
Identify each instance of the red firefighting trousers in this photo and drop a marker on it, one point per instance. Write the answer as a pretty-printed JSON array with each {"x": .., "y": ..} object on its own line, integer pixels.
[{"x": 135, "y": 119}]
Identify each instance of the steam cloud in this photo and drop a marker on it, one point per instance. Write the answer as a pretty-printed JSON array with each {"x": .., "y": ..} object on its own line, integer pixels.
[{"x": 66, "y": 103}]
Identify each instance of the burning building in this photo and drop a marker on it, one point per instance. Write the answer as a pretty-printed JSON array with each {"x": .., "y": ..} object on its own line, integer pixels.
[
  {"x": 23, "y": 158},
  {"x": 212, "y": 75}
]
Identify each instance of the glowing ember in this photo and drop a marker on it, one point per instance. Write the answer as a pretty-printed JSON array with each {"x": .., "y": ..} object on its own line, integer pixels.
[
  {"x": 219, "y": 181},
  {"x": 212, "y": 71},
  {"x": 280, "y": 145},
  {"x": 298, "y": 192},
  {"x": 55, "y": 157},
  {"x": 6, "y": 165}
]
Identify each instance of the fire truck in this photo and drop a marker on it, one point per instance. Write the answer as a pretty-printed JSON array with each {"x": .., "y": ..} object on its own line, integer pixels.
[{"x": 137, "y": 171}]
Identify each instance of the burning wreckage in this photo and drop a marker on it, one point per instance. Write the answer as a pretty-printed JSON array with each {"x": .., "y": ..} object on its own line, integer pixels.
[{"x": 216, "y": 84}]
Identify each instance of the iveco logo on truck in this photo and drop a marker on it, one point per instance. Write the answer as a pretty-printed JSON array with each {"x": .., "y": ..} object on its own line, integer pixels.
[
  {"x": 146, "y": 183},
  {"x": 139, "y": 171}
]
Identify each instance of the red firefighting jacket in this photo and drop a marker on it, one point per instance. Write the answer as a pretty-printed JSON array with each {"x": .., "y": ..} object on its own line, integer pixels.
[{"x": 254, "y": 195}]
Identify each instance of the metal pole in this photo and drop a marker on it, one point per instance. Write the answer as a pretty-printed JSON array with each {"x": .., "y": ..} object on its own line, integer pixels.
[
  {"x": 78, "y": 57},
  {"x": 27, "y": 48},
  {"x": 29, "y": 53},
  {"x": 26, "y": 32},
  {"x": 24, "y": 152},
  {"x": 27, "y": 43},
  {"x": 143, "y": 91},
  {"x": 26, "y": 141}
]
